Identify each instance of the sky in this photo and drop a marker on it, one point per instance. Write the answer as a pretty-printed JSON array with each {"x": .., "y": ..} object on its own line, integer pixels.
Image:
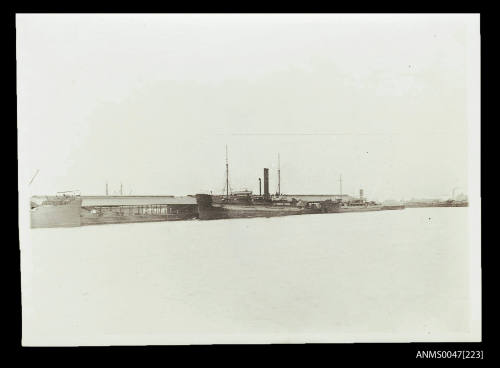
[{"x": 151, "y": 101}]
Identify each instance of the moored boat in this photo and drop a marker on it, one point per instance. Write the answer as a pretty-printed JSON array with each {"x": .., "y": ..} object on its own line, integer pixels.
[
  {"x": 366, "y": 208},
  {"x": 208, "y": 210}
]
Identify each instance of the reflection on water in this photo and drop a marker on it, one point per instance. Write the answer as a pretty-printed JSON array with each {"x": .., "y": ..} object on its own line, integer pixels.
[{"x": 394, "y": 273}]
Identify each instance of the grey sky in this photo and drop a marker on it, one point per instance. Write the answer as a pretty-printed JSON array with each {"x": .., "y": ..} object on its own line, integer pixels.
[{"x": 152, "y": 100}]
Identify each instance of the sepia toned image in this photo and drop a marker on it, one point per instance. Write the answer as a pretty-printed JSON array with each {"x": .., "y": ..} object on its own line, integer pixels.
[{"x": 248, "y": 178}]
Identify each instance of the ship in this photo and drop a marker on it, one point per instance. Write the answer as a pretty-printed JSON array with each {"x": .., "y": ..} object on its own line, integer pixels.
[
  {"x": 393, "y": 207},
  {"x": 210, "y": 208},
  {"x": 362, "y": 205},
  {"x": 243, "y": 204},
  {"x": 61, "y": 210},
  {"x": 360, "y": 208}
]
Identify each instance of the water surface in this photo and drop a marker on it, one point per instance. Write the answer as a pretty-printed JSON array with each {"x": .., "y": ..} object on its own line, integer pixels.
[{"x": 388, "y": 275}]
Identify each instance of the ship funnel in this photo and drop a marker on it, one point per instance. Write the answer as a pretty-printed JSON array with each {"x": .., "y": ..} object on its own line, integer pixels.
[
  {"x": 361, "y": 194},
  {"x": 266, "y": 183}
]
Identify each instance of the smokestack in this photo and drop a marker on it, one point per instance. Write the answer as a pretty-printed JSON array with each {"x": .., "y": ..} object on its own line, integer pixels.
[
  {"x": 361, "y": 194},
  {"x": 107, "y": 188},
  {"x": 121, "y": 189},
  {"x": 266, "y": 183},
  {"x": 260, "y": 187}
]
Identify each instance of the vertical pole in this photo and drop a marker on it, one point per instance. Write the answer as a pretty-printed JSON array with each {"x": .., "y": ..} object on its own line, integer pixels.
[
  {"x": 121, "y": 189},
  {"x": 106, "y": 188},
  {"x": 266, "y": 183},
  {"x": 260, "y": 187},
  {"x": 340, "y": 180},
  {"x": 279, "y": 176},
  {"x": 227, "y": 175}
]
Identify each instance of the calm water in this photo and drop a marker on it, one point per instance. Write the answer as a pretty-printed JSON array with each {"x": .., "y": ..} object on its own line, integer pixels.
[{"x": 391, "y": 275}]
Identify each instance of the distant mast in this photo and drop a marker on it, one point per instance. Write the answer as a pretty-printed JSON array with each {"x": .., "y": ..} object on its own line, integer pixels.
[
  {"x": 107, "y": 192},
  {"x": 279, "y": 176},
  {"x": 227, "y": 176},
  {"x": 340, "y": 182}
]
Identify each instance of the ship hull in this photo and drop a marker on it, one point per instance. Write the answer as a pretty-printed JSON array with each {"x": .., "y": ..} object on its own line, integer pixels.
[
  {"x": 230, "y": 211},
  {"x": 64, "y": 215},
  {"x": 209, "y": 211},
  {"x": 359, "y": 209},
  {"x": 396, "y": 207}
]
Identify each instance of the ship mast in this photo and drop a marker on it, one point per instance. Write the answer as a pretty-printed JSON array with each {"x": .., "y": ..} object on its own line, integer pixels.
[
  {"x": 340, "y": 181},
  {"x": 279, "y": 176},
  {"x": 227, "y": 175}
]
